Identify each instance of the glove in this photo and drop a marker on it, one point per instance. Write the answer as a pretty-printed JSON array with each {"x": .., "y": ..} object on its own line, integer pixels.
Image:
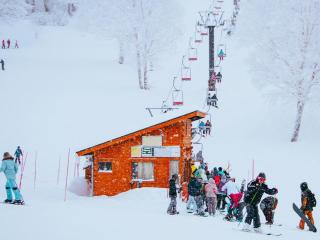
[{"x": 275, "y": 190}]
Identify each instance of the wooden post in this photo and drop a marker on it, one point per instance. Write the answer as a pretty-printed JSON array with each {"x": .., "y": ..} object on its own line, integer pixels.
[{"x": 67, "y": 175}]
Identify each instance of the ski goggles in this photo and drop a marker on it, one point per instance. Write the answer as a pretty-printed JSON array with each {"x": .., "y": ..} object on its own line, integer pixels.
[{"x": 261, "y": 179}]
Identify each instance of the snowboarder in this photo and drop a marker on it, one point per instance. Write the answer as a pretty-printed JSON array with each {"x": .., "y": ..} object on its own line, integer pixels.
[
  {"x": 16, "y": 44},
  {"x": 268, "y": 206},
  {"x": 191, "y": 204},
  {"x": 2, "y": 64},
  {"x": 211, "y": 196},
  {"x": 8, "y": 43},
  {"x": 219, "y": 77},
  {"x": 255, "y": 190},
  {"x": 3, "y": 44},
  {"x": 208, "y": 127},
  {"x": 308, "y": 202},
  {"x": 18, "y": 153},
  {"x": 10, "y": 169},
  {"x": 172, "y": 209},
  {"x": 221, "y": 55}
]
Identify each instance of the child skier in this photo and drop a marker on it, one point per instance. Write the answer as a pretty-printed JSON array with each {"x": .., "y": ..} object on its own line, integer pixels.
[
  {"x": 10, "y": 169},
  {"x": 255, "y": 190},
  {"x": 18, "y": 153},
  {"x": 268, "y": 206},
  {"x": 172, "y": 209},
  {"x": 211, "y": 196},
  {"x": 308, "y": 202}
]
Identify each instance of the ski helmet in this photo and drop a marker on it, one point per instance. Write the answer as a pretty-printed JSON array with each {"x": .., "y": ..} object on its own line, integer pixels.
[
  {"x": 304, "y": 186},
  {"x": 262, "y": 175}
]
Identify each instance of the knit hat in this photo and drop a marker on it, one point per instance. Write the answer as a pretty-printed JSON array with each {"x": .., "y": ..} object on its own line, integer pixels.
[
  {"x": 262, "y": 175},
  {"x": 6, "y": 156}
]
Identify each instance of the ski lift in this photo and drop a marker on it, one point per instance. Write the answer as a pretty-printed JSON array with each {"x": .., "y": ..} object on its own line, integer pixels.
[
  {"x": 204, "y": 31},
  {"x": 193, "y": 53},
  {"x": 185, "y": 71},
  {"x": 197, "y": 34},
  {"x": 222, "y": 50},
  {"x": 177, "y": 95}
]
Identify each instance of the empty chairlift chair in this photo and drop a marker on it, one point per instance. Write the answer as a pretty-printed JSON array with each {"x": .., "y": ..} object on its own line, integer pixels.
[
  {"x": 185, "y": 71},
  {"x": 177, "y": 97},
  {"x": 197, "y": 34}
]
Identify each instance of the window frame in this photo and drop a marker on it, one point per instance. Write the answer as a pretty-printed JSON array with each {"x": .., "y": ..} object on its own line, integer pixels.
[
  {"x": 105, "y": 162},
  {"x": 140, "y": 179}
]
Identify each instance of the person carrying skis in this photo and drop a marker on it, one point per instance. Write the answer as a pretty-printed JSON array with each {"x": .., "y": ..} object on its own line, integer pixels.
[
  {"x": 172, "y": 209},
  {"x": 255, "y": 190},
  {"x": 2, "y": 64},
  {"x": 191, "y": 204},
  {"x": 10, "y": 169},
  {"x": 308, "y": 202},
  {"x": 18, "y": 153},
  {"x": 267, "y": 206},
  {"x": 211, "y": 196},
  {"x": 3, "y": 44},
  {"x": 8, "y": 43}
]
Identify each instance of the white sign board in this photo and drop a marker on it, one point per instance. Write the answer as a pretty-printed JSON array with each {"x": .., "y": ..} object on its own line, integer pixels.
[{"x": 151, "y": 141}]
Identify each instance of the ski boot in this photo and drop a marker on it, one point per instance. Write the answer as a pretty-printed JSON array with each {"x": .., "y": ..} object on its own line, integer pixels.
[
  {"x": 246, "y": 227},
  {"x": 18, "y": 202},
  {"x": 7, "y": 201},
  {"x": 258, "y": 230}
]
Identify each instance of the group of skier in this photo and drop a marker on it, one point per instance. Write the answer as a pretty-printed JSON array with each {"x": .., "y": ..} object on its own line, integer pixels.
[
  {"x": 9, "y": 167},
  {"x": 7, "y": 44},
  {"x": 209, "y": 191}
]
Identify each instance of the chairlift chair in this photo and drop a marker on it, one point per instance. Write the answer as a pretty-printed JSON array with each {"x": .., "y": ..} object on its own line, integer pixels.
[
  {"x": 193, "y": 54},
  {"x": 223, "y": 48},
  {"x": 204, "y": 31},
  {"x": 197, "y": 34},
  {"x": 177, "y": 97},
  {"x": 185, "y": 71}
]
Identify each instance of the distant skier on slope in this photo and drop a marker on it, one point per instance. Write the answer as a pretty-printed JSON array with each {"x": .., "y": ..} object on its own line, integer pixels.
[
  {"x": 18, "y": 154},
  {"x": 8, "y": 43},
  {"x": 3, "y": 44},
  {"x": 173, "y": 188},
  {"x": 2, "y": 64},
  {"x": 308, "y": 202},
  {"x": 268, "y": 206},
  {"x": 255, "y": 190},
  {"x": 10, "y": 169},
  {"x": 16, "y": 45}
]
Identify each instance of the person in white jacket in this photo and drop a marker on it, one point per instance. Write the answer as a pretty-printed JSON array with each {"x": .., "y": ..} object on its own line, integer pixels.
[{"x": 234, "y": 194}]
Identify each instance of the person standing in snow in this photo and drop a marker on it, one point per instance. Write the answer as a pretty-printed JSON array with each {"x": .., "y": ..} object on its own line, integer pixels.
[
  {"x": 191, "y": 204},
  {"x": 16, "y": 44},
  {"x": 221, "y": 195},
  {"x": 211, "y": 196},
  {"x": 308, "y": 202},
  {"x": 18, "y": 154},
  {"x": 3, "y": 44},
  {"x": 255, "y": 190},
  {"x": 268, "y": 206},
  {"x": 172, "y": 209},
  {"x": 10, "y": 169},
  {"x": 8, "y": 43},
  {"x": 234, "y": 194},
  {"x": 2, "y": 64},
  {"x": 198, "y": 197}
]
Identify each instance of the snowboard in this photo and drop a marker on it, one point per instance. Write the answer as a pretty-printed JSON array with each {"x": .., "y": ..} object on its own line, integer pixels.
[{"x": 304, "y": 218}]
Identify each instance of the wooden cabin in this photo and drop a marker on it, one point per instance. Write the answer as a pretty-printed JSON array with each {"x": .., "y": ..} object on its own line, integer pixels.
[{"x": 145, "y": 158}]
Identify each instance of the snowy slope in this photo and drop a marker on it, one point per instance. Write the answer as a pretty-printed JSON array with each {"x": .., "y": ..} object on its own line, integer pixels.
[{"x": 64, "y": 89}]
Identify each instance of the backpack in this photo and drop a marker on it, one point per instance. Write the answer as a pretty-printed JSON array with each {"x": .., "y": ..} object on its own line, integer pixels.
[{"x": 312, "y": 200}]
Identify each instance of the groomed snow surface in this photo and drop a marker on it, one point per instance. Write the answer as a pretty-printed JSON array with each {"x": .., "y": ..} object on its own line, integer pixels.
[{"x": 64, "y": 89}]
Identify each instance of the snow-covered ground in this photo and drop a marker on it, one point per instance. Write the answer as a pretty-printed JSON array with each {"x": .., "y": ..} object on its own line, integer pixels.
[{"x": 64, "y": 89}]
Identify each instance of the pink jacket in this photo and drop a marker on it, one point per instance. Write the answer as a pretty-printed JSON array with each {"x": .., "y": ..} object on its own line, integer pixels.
[{"x": 211, "y": 189}]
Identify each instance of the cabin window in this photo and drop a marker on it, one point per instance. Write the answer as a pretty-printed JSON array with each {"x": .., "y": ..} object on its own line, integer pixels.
[
  {"x": 105, "y": 166},
  {"x": 143, "y": 171}
]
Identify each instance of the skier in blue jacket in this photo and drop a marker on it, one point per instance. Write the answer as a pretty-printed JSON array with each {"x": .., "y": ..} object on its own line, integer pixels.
[
  {"x": 18, "y": 153},
  {"x": 10, "y": 169}
]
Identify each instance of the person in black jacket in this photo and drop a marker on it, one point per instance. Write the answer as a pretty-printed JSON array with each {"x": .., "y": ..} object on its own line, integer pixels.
[
  {"x": 172, "y": 209},
  {"x": 255, "y": 189},
  {"x": 268, "y": 205},
  {"x": 308, "y": 202},
  {"x": 191, "y": 204}
]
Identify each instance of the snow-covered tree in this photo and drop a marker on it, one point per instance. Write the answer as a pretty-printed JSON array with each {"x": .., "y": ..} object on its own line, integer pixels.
[
  {"x": 287, "y": 52},
  {"x": 12, "y": 10},
  {"x": 145, "y": 27}
]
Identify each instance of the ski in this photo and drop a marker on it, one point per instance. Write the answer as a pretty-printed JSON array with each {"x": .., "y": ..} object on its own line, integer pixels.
[{"x": 262, "y": 233}]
